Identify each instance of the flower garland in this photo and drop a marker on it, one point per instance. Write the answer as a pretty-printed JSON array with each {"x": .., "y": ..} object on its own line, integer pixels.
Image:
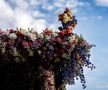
[{"x": 69, "y": 52}]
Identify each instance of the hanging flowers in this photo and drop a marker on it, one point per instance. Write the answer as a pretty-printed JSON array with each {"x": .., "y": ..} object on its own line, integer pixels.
[{"x": 64, "y": 49}]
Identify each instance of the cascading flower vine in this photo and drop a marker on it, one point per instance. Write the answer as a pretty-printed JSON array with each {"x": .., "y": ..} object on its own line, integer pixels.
[{"x": 62, "y": 51}]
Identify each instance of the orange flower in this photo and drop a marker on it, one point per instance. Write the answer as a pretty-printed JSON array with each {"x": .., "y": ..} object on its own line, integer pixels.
[
  {"x": 70, "y": 27},
  {"x": 68, "y": 31},
  {"x": 20, "y": 33}
]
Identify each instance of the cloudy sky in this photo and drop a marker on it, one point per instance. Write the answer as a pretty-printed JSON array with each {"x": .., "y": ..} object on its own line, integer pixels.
[{"x": 92, "y": 16}]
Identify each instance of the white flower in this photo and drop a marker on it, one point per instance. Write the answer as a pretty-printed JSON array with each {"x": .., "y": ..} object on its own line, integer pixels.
[
  {"x": 48, "y": 38},
  {"x": 73, "y": 37},
  {"x": 39, "y": 51},
  {"x": 70, "y": 39},
  {"x": 15, "y": 53},
  {"x": 6, "y": 33},
  {"x": 33, "y": 36},
  {"x": 12, "y": 36},
  {"x": 55, "y": 34},
  {"x": 41, "y": 36}
]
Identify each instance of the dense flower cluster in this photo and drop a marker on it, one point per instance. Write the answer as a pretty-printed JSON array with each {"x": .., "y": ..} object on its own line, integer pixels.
[{"x": 65, "y": 51}]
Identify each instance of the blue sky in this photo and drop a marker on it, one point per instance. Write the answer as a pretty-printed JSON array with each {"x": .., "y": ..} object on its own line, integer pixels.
[{"x": 92, "y": 16}]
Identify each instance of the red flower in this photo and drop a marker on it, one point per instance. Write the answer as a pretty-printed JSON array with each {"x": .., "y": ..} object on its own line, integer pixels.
[
  {"x": 48, "y": 32},
  {"x": 62, "y": 33},
  {"x": 11, "y": 31},
  {"x": 62, "y": 51},
  {"x": 30, "y": 43}
]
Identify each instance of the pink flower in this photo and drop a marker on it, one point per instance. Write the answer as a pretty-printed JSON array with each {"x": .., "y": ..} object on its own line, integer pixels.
[
  {"x": 25, "y": 44},
  {"x": 59, "y": 39},
  {"x": 1, "y": 31},
  {"x": 30, "y": 43}
]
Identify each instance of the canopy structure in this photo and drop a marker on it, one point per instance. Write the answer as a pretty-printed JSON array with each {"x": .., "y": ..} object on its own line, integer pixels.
[{"x": 46, "y": 61}]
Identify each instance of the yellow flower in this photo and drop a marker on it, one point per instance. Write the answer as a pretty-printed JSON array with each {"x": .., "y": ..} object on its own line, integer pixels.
[
  {"x": 57, "y": 59},
  {"x": 66, "y": 56}
]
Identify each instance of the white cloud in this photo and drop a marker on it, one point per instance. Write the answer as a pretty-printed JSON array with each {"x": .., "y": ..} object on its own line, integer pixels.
[
  {"x": 72, "y": 4},
  {"x": 47, "y": 6},
  {"x": 58, "y": 4},
  {"x": 50, "y": 7},
  {"x": 19, "y": 17},
  {"x": 75, "y": 4},
  {"x": 5, "y": 10},
  {"x": 102, "y": 86},
  {"x": 39, "y": 25},
  {"x": 25, "y": 20},
  {"x": 37, "y": 14},
  {"x": 102, "y": 2},
  {"x": 84, "y": 18},
  {"x": 81, "y": 3},
  {"x": 52, "y": 27},
  {"x": 26, "y": 13},
  {"x": 34, "y": 2},
  {"x": 99, "y": 17},
  {"x": 6, "y": 15},
  {"x": 22, "y": 19},
  {"x": 22, "y": 4}
]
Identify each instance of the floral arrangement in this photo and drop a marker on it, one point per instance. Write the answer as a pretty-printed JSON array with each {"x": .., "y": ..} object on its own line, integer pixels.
[{"x": 62, "y": 51}]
